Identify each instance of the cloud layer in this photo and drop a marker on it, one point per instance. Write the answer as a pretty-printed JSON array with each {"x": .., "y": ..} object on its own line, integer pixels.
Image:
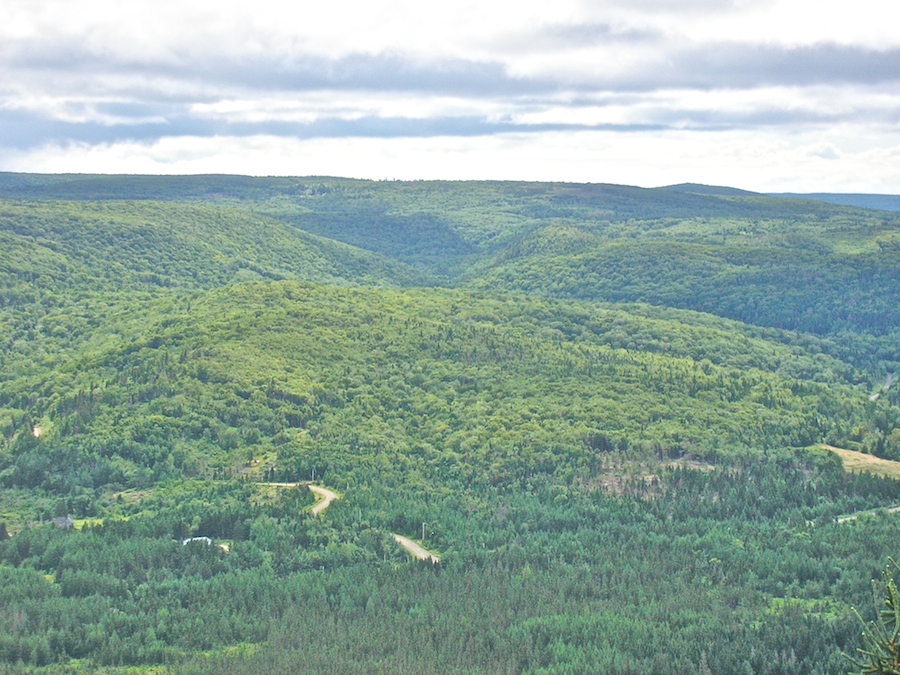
[{"x": 92, "y": 78}]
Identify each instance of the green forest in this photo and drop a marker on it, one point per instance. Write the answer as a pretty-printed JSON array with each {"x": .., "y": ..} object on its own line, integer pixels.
[{"x": 606, "y": 410}]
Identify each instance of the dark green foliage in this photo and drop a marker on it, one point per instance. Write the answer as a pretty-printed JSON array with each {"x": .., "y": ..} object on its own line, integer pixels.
[
  {"x": 536, "y": 580},
  {"x": 868, "y": 201},
  {"x": 796, "y": 288},
  {"x": 58, "y": 248}
]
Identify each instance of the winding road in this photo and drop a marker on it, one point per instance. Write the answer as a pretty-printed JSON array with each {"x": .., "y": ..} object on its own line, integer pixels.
[{"x": 326, "y": 496}]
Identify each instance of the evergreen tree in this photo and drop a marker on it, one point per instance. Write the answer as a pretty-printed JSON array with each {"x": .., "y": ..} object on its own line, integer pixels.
[{"x": 881, "y": 652}]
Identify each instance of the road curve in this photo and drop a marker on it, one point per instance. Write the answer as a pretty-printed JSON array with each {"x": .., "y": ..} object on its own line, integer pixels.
[
  {"x": 326, "y": 495},
  {"x": 419, "y": 552},
  {"x": 323, "y": 495}
]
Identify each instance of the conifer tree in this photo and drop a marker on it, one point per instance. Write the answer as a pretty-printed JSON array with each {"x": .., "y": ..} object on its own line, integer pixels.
[{"x": 880, "y": 654}]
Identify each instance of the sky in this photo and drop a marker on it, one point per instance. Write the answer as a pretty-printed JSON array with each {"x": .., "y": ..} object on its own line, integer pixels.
[{"x": 768, "y": 95}]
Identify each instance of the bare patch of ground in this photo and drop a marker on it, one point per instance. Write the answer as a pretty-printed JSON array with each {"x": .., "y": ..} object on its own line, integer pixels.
[
  {"x": 692, "y": 464},
  {"x": 131, "y": 496},
  {"x": 640, "y": 477}
]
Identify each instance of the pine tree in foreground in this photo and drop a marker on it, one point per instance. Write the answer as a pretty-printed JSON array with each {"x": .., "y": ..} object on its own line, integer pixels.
[{"x": 880, "y": 654}]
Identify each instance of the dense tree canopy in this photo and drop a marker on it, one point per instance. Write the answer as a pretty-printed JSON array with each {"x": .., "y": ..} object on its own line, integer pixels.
[{"x": 602, "y": 406}]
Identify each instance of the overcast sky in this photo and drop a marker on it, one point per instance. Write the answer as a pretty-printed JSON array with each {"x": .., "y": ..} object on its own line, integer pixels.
[{"x": 777, "y": 95}]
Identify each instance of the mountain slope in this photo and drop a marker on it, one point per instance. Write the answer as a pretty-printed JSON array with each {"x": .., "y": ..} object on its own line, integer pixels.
[
  {"x": 142, "y": 245},
  {"x": 803, "y": 286},
  {"x": 442, "y": 226},
  {"x": 446, "y": 381}
]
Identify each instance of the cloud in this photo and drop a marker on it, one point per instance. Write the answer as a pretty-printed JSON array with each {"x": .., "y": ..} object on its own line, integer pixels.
[
  {"x": 73, "y": 71},
  {"x": 826, "y": 151},
  {"x": 88, "y": 73},
  {"x": 576, "y": 36},
  {"x": 691, "y": 6},
  {"x": 762, "y": 161},
  {"x": 21, "y": 131},
  {"x": 739, "y": 66},
  {"x": 272, "y": 71}
]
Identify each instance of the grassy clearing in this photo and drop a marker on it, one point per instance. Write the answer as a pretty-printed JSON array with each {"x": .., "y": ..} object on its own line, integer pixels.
[{"x": 859, "y": 462}]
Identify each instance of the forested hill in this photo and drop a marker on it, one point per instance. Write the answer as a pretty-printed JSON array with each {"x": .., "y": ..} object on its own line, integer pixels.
[
  {"x": 801, "y": 265},
  {"x": 865, "y": 200},
  {"x": 603, "y": 406},
  {"x": 130, "y": 245}
]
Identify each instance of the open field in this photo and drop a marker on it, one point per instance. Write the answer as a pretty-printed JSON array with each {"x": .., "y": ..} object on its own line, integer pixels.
[{"x": 858, "y": 462}]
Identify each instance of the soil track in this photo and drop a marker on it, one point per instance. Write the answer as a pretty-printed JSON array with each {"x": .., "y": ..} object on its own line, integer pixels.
[
  {"x": 857, "y": 516},
  {"x": 860, "y": 462},
  {"x": 419, "y": 552},
  {"x": 324, "y": 496},
  {"x": 327, "y": 496}
]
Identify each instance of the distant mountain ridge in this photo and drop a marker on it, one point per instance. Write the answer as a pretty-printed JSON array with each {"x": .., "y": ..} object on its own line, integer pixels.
[
  {"x": 864, "y": 200},
  {"x": 883, "y": 202},
  {"x": 205, "y": 186},
  {"x": 718, "y": 190}
]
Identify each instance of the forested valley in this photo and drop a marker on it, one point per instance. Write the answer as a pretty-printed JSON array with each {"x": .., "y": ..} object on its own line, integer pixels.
[{"x": 643, "y": 431}]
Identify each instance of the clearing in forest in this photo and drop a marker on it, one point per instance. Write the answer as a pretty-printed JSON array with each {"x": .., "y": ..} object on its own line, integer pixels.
[{"x": 858, "y": 462}]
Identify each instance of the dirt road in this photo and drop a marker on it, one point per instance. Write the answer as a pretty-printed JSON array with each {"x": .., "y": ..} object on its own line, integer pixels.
[
  {"x": 857, "y": 516},
  {"x": 327, "y": 496},
  {"x": 324, "y": 495},
  {"x": 419, "y": 552},
  {"x": 859, "y": 462}
]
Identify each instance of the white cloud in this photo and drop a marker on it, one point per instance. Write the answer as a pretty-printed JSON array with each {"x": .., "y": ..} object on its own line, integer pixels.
[
  {"x": 801, "y": 92},
  {"x": 348, "y": 105},
  {"x": 763, "y": 162}
]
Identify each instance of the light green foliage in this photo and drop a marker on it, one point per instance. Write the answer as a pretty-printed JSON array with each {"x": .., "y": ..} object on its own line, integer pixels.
[{"x": 445, "y": 381}]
